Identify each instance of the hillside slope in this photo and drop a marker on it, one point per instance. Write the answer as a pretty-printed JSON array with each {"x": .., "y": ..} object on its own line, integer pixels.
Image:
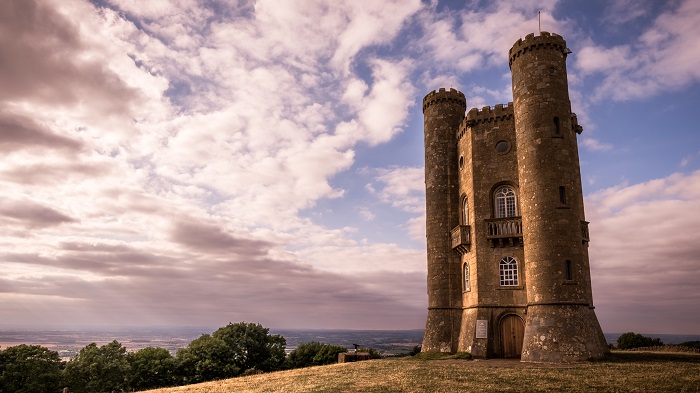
[{"x": 622, "y": 372}]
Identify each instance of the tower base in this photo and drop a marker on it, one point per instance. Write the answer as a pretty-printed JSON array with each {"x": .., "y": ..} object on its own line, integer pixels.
[
  {"x": 441, "y": 330},
  {"x": 562, "y": 334}
]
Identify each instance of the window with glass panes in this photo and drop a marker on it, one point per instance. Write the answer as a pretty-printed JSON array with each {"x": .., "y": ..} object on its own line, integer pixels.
[
  {"x": 508, "y": 268},
  {"x": 505, "y": 202}
]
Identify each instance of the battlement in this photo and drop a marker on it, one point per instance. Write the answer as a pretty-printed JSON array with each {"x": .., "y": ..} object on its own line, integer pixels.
[
  {"x": 489, "y": 114},
  {"x": 443, "y": 95},
  {"x": 531, "y": 42}
]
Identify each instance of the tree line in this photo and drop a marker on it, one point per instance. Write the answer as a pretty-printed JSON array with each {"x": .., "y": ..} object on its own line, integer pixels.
[{"x": 231, "y": 351}]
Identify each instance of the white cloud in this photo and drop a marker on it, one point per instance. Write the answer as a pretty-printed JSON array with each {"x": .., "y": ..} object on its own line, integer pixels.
[
  {"x": 621, "y": 12},
  {"x": 663, "y": 59},
  {"x": 643, "y": 250},
  {"x": 595, "y": 145},
  {"x": 402, "y": 187},
  {"x": 466, "y": 40},
  {"x": 170, "y": 147}
]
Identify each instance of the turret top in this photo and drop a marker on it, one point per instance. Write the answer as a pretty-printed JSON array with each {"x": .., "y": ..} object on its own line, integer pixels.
[
  {"x": 451, "y": 95},
  {"x": 532, "y": 42}
]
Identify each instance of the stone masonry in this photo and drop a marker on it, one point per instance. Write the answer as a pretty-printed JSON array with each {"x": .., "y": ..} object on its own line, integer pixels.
[{"x": 508, "y": 269}]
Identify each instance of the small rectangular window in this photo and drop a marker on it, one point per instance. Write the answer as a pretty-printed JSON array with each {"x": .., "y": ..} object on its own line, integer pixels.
[
  {"x": 562, "y": 195},
  {"x": 557, "y": 127},
  {"x": 466, "y": 277},
  {"x": 568, "y": 274}
]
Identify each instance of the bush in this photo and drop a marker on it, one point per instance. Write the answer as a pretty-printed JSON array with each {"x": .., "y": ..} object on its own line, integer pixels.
[
  {"x": 151, "y": 368},
  {"x": 631, "y": 340},
  {"x": 314, "y": 354},
  {"x": 205, "y": 359},
  {"x": 691, "y": 344},
  {"x": 30, "y": 368},
  {"x": 252, "y": 346},
  {"x": 229, "y": 352},
  {"x": 415, "y": 351},
  {"x": 98, "y": 369},
  {"x": 373, "y": 353}
]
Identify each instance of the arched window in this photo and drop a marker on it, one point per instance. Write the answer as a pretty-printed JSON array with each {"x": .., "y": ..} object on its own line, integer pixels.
[
  {"x": 505, "y": 202},
  {"x": 466, "y": 277},
  {"x": 508, "y": 268},
  {"x": 465, "y": 211}
]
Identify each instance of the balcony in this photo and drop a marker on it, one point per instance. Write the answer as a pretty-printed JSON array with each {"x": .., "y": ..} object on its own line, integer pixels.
[
  {"x": 461, "y": 238},
  {"x": 504, "y": 231},
  {"x": 585, "y": 236}
]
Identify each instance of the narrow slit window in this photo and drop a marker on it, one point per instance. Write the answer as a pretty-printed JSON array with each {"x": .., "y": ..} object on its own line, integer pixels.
[
  {"x": 465, "y": 212},
  {"x": 568, "y": 273},
  {"x": 466, "y": 277},
  {"x": 562, "y": 195},
  {"x": 557, "y": 127}
]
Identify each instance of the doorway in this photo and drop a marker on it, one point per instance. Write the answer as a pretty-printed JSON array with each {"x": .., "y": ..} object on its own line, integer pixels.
[{"x": 512, "y": 333}]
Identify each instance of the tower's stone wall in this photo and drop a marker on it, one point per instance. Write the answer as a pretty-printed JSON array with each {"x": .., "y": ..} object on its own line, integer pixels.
[
  {"x": 560, "y": 324},
  {"x": 443, "y": 112},
  {"x": 485, "y": 168}
]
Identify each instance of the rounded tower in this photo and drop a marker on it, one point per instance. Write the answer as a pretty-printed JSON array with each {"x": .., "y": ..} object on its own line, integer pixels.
[
  {"x": 560, "y": 325},
  {"x": 443, "y": 112}
]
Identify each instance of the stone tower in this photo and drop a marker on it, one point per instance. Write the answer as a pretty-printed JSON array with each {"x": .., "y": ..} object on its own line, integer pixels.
[
  {"x": 443, "y": 112},
  {"x": 508, "y": 270}
]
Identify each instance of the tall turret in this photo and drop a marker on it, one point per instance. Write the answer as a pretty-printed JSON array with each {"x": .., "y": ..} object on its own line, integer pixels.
[
  {"x": 560, "y": 325},
  {"x": 443, "y": 112}
]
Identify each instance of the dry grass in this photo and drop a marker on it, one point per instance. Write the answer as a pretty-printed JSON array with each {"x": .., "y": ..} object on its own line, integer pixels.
[{"x": 621, "y": 372}]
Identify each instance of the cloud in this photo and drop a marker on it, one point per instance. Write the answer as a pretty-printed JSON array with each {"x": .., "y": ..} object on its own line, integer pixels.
[
  {"x": 402, "y": 187},
  {"x": 168, "y": 149},
  {"x": 212, "y": 238},
  {"x": 18, "y": 132},
  {"x": 662, "y": 60},
  {"x": 621, "y": 12},
  {"x": 653, "y": 217},
  {"x": 595, "y": 145},
  {"x": 46, "y": 61},
  {"x": 464, "y": 40},
  {"x": 30, "y": 214}
]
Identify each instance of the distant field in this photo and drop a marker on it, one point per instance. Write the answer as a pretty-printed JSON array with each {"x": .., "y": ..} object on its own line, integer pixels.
[{"x": 621, "y": 372}]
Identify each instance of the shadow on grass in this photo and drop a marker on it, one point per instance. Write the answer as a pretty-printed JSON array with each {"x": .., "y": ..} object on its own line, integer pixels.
[
  {"x": 640, "y": 356},
  {"x": 442, "y": 356}
]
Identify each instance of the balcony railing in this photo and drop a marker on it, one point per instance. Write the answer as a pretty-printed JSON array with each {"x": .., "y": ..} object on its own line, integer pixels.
[
  {"x": 461, "y": 238},
  {"x": 585, "y": 236},
  {"x": 501, "y": 230}
]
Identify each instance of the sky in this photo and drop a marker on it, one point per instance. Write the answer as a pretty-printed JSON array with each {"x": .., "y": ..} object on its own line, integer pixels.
[{"x": 194, "y": 163}]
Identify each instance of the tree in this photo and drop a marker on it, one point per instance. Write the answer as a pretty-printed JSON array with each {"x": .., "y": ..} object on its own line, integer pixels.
[
  {"x": 205, "y": 359},
  {"x": 98, "y": 369},
  {"x": 631, "y": 340},
  {"x": 252, "y": 346},
  {"x": 314, "y": 354},
  {"x": 151, "y": 368},
  {"x": 30, "y": 368}
]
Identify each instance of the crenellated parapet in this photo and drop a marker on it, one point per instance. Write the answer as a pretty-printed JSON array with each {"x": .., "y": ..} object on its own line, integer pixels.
[
  {"x": 487, "y": 114},
  {"x": 531, "y": 42},
  {"x": 443, "y": 95}
]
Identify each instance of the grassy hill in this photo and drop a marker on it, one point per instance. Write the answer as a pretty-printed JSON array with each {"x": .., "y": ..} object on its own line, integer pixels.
[{"x": 621, "y": 372}]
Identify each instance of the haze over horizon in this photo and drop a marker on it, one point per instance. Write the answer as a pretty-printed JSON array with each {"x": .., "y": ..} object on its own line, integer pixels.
[{"x": 188, "y": 163}]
